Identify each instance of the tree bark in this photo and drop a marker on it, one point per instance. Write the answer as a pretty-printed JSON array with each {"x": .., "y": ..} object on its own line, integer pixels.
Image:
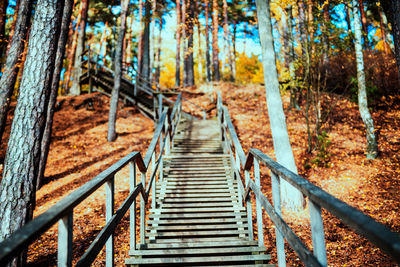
[
  {"x": 10, "y": 72},
  {"x": 80, "y": 47},
  {"x": 372, "y": 146},
  {"x": 364, "y": 24},
  {"x": 152, "y": 39},
  {"x": 158, "y": 70},
  {"x": 216, "y": 73},
  {"x": 184, "y": 41},
  {"x": 146, "y": 42},
  {"x": 234, "y": 51},
  {"x": 290, "y": 196},
  {"x": 394, "y": 8},
  {"x": 23, "y": 153},
  {"x": 3, "y": 17},
  {"x": 199, "y": 52},
  {"x": 140, "y": 41},
  {"x": 228, "y": 45},
  {"x": 112, "y": 117},
  {"x": 189, "y": 61},
  {"x": 386, "y": 36},
  {"x": 207, "y": 34},
  {"x": 178, "y": 44},
  {"x": 55, "y": 84}
]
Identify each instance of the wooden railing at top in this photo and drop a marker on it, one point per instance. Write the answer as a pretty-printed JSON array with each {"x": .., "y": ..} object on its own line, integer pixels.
[
  {"x": 62, "y": 211},
  {"x": 361, "y": 223}
]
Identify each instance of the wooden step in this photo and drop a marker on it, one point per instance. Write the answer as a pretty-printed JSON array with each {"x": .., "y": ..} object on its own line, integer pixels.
[
  {"x": 192, "y": 260},
  {"x": 197, "y": 227},
  {"x": 216, "y": 244},
  {"x": 198, "y": 251},
  {"x": 208, "y": 233},
  {"x": 194, "y": 210},
  {"x": 197, "y": 215},
  {"x": 197, "y": 221}
]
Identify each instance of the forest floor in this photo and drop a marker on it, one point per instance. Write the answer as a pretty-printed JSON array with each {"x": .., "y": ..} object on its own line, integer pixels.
[{"x": 79, "y": 151}]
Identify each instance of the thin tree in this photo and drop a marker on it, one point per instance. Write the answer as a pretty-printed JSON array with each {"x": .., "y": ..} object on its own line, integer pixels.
[
  {"x": 372, "y": 146},
  {"x": 23, "y": 153},
  {"x": 152, "y": 37},
  {"x": 215, "y": 41},
  {"x": 184, "y": 41},
  {"x": 393, "y": 7},
  {"x": 80, "y": 47},
  {"x": 112, "y": 117},
  {"x": 140, "y": 41},
  {"x": 158, "y": 56},
  {"x": 55, "y": 84},
  {"x": 178, "y": 44},
  {"x": 290, "y": 196},
  {"x": 227, "y": 42},
  {"x": 207, "y": 34},
  {"x": 145, "y": 71},
  {"x": 10, "y": 71},
  {"x": 188, "y": 63}
]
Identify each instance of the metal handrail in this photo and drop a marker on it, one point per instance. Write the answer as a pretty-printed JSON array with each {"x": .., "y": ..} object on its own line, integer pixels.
[
  {"x": 375, "y": 232},
  {"x": 62, "y": 211}
]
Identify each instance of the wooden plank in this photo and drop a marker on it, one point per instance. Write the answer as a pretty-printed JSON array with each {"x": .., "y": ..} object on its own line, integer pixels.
[
  {"x": 197, "y": 227},
  {"x": 200, "y": 205},
  {"x": 196, "y": 239},
  {"x": 193, "y": 191},
  {"x": 191, "y": 200},
  {"x": 208, "y": 233},
  {"x": 205, "y": 195},
  {"x": 194, "y": 215},
  {"x": 198, "y": 259},
  {"x": 189, "y": 210},
  {"x": 190, "y": 221},
  {"x": 214, "y": 244},
  {"x": 187, "y": 251}
]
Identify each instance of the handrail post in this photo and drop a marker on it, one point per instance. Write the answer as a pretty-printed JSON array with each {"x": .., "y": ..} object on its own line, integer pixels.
[
  {"x": 132, "y": 213},
  {"x": 153, "y": 167},
  {"x": 276, "y": 197},
  {"x": 260, "y": 233},
  {"x": 248, "y": 207},
  {"x": 237, "y": 162},
  {"x": 317, "y": 232},
  {"x": 167, "y": 136},
  {"x": 142, "y": 212},
  {"x": 160, "y": 105},
  {"x": 109, "y": 214},
  {"x": 65, "y": 232}
]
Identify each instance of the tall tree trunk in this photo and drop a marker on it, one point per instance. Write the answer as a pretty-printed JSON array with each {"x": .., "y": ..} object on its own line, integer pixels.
[
  {"x": 158, "y": 68},
  {"x": 112, "y": 117},
  {"x": 10, "y": 72},
  {"x": 216, "y": 74},
  {"x": 55, "y": 84},
  {"x": 244, "y": 37},
  {"x": 178, "y": 44},
  {"x": 234, "y": 51},
  {"x": 184, "y": 41},
  {"x": 348, "y": 18},
  {"x": 76, "y": 88},
  {"x": 207, "y": 34},
  {"x": 372, "y": 146},
  {"x": 364, "y": 24},
  {"x": 3, "y": 17},
  {"x": 227, "y": 40},
  {"x": 72, "y": 50},
  {"x": 13, "y": 24},
  {"x": 152, "y": 38},
  {"x": 394, "y": 11},
  {"x": 188, "y": 63},
  {"x": 290, "y": 196},
  {"x": 146, "y": 42},
  {"x": 140, "y": 41},
  {"x": 23, "y": 153},
  {"x": 386, "y": 36},
  {"x": 199, "y": 52}
]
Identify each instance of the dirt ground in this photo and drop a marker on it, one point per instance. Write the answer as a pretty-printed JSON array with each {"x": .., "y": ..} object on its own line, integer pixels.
[{"x": 79, "y": 151}]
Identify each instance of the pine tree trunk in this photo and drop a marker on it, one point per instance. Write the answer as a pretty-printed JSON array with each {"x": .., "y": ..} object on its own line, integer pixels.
[
  {"x": 55, "y": 84},
  {"x": 386, "y": 36},
  {"x": 3, "y": 17},
  {"x": 234, "y": 51},
  {"x": 227, "y": 41},
  {"x": 10, "y": 71},
  {"x": 140, "y": 41},
  {"x": 23, "y": 153},
  {"x": 364, "y": 24},
  {"x": 189, "y": 61},
  {"x": 158, "y": 70},
  {"x": 80, "y": 47},
  {"x": 152, "y": 39},
  {"x": 207, "y": 34},
  {"x": 112, "y": 117},
  {"x": 199, "y": 52},
  {"x": 146, "y": 42},
  {"x": 178, "y": 44},
  {"x": 184, "y": 42},
  {"x": 290, "y": 196},
  {"x": 394, "y": 8},
  {"x": 372, "y": 146},
  {"x": 216, "y": 73},
  {"x": 71, "y": 51}
]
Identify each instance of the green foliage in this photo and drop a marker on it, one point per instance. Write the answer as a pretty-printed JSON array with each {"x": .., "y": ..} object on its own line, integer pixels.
[
  {"x": 323, "y": 156},
  {"x": 372, "y": 90}
]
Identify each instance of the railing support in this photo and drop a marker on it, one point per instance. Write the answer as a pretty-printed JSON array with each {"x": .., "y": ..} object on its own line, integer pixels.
[
  {"x": 260, "y": 231},
  {"x": 276, "y": 197},
  {"x": 248, "y": 207},
  {"x": 109, "y": 214},
  {"x": 142, "y": 212},
  {"x": 132, "y": 212},
  {"x": 65, "y": 232},
  {"x": 317, "y": 232},
  {"x": 153, "y": 166}
]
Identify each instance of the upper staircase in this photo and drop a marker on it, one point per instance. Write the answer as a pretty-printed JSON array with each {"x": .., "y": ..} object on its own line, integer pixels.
[{"x": 198, "y": 218}]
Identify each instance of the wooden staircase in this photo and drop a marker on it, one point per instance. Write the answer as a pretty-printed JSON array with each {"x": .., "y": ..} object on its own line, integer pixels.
[{"x": 198, "y": 219}]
